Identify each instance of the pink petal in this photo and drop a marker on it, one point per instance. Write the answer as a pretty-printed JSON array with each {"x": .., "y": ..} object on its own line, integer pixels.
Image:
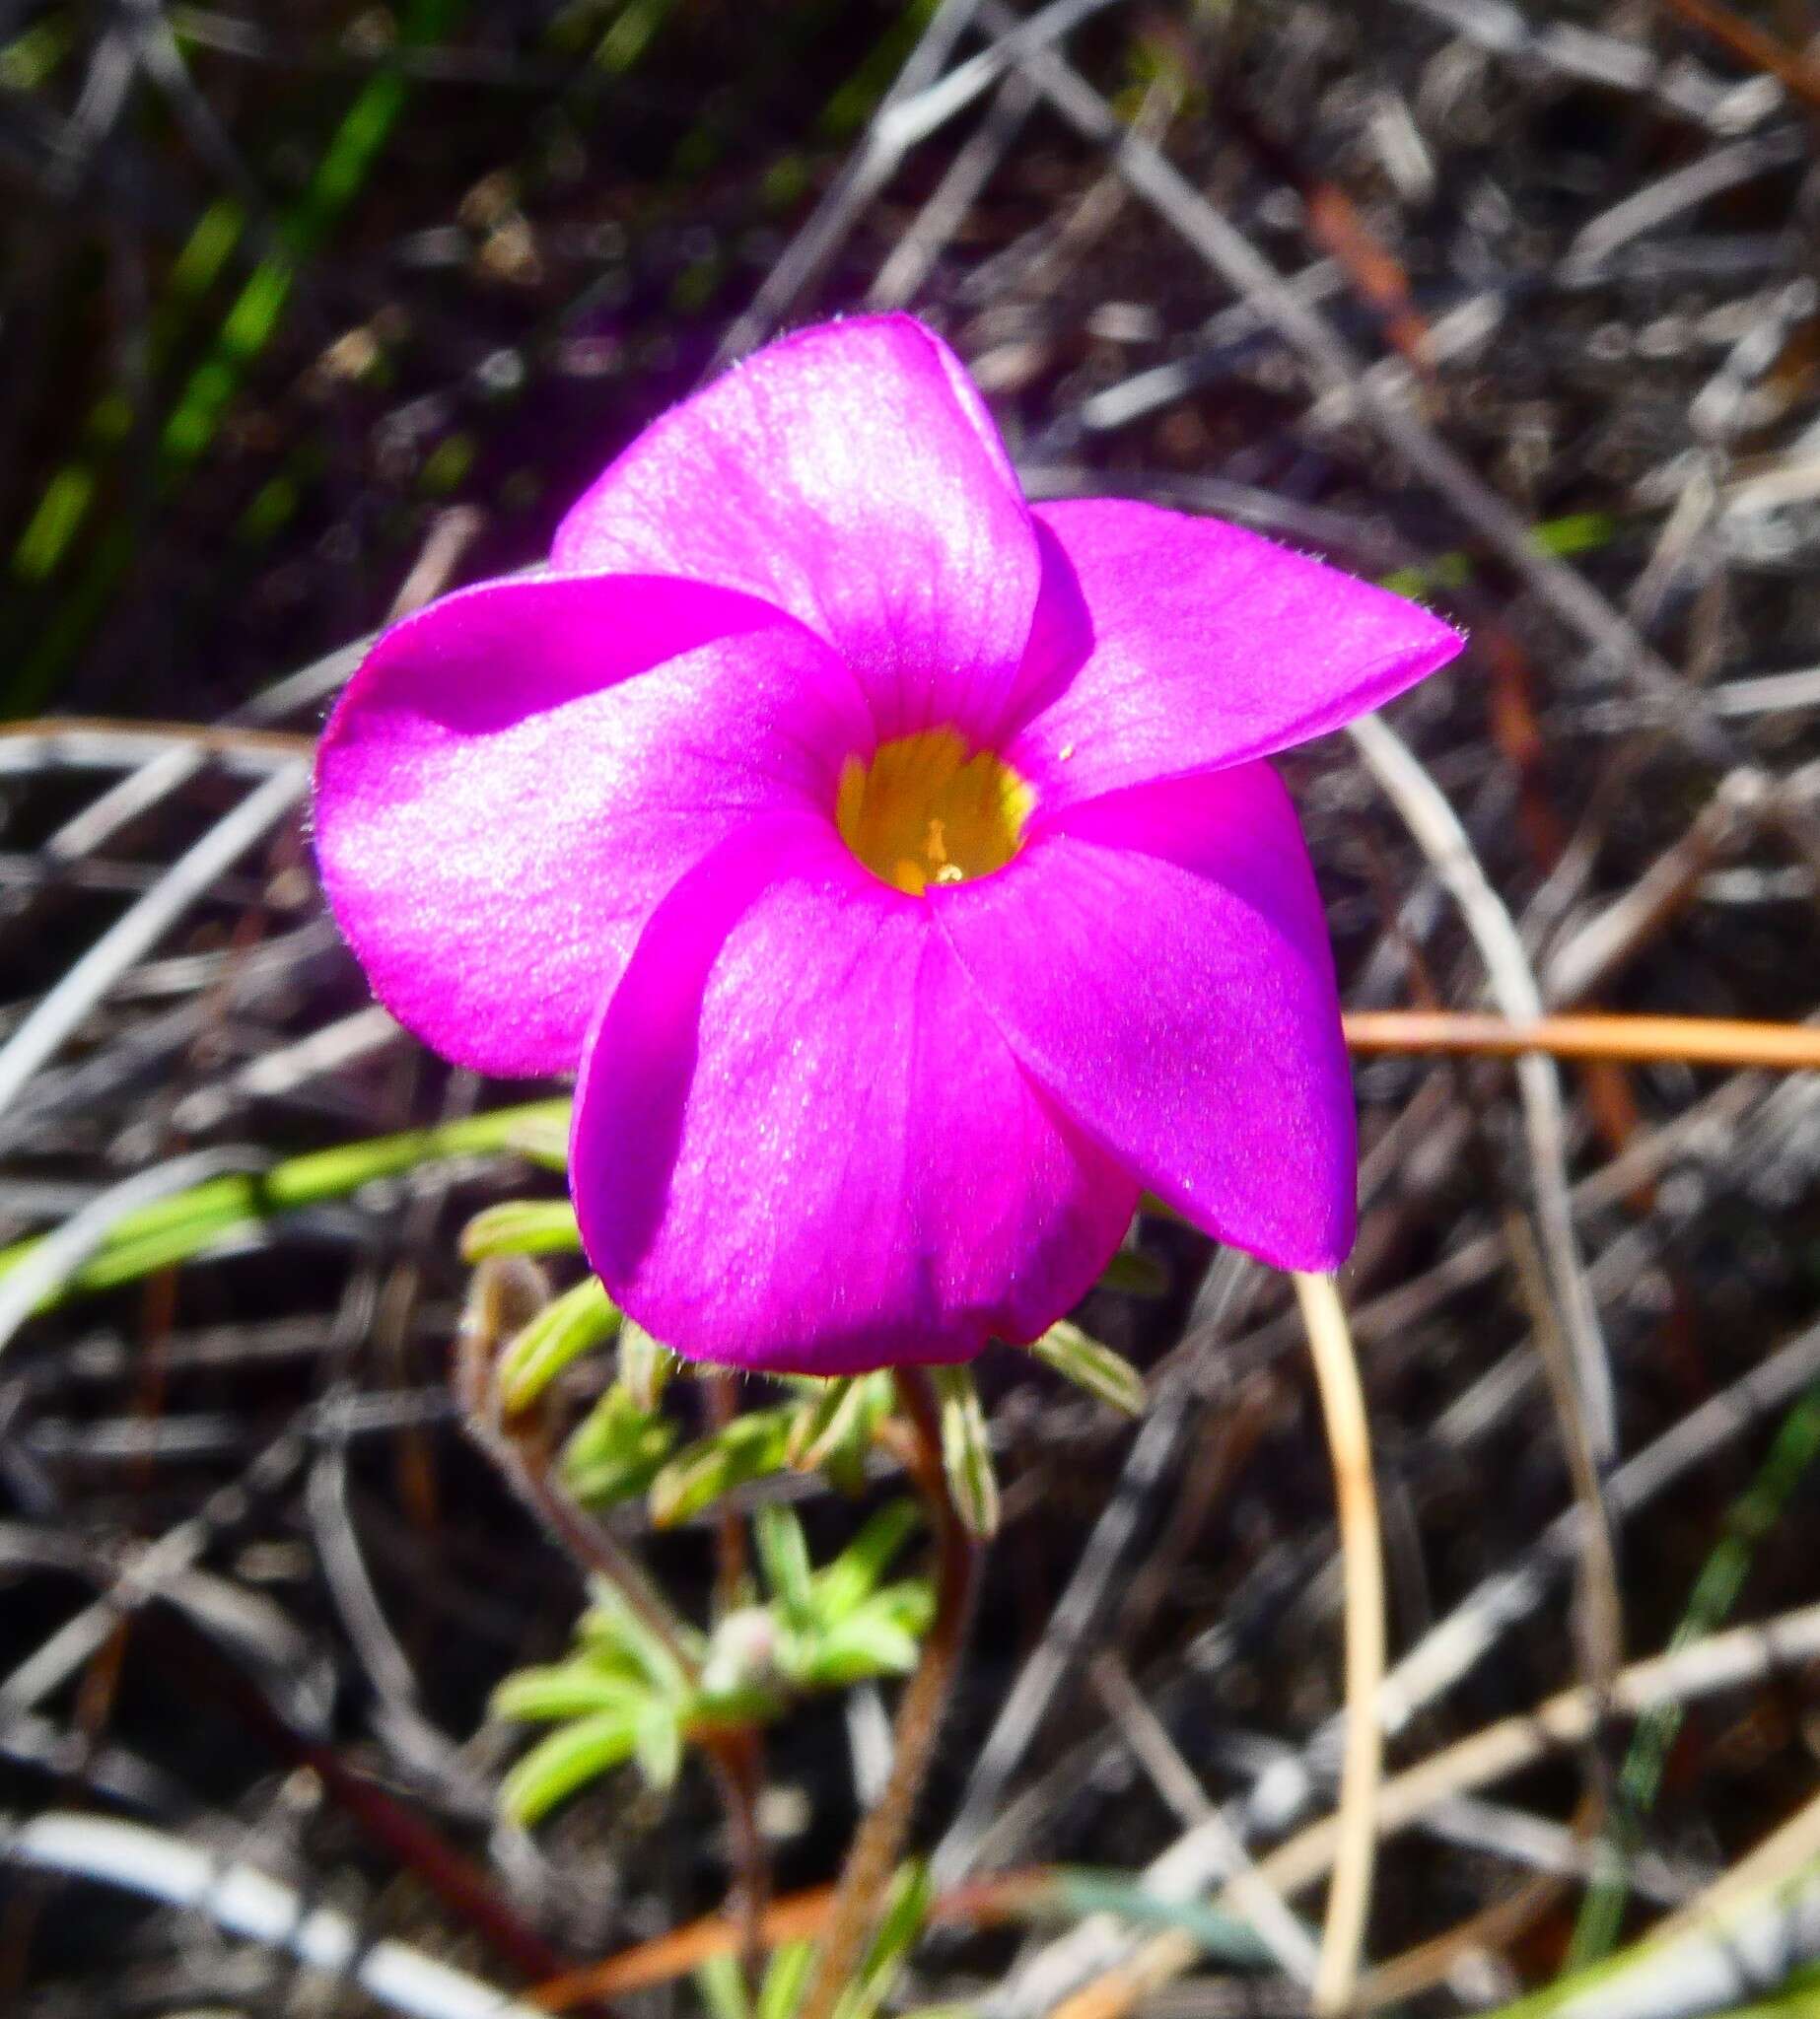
[
  {"x": 1159, "y": 962},
  {"x": 498, "y": 802},
  {"x": 1165, "y": 644},
  {"x": 800, "y": 1144},
  {"x": 850, "y": 475}
]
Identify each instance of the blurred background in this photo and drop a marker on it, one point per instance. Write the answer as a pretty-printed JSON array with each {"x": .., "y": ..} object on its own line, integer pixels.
[{"x": 310, "y": 311}]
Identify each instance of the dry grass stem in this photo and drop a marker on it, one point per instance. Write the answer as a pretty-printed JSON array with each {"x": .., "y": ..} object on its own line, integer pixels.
[{"x": 1717, "y": 1041}]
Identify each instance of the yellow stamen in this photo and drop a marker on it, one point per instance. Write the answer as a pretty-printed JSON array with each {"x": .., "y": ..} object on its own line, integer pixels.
[{"x": 925, "y": 811}]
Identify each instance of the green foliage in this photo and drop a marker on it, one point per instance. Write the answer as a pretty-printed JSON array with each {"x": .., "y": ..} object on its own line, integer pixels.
[
  {"x": 521, "y": 1226},
  {"x": 842, "y": 1626},
  {"x": 29, "y": 60},
  {"x": 835, "y": 1427},
  {"x": 193, "y": 423},
  {"x": 723, "y": 1988},
  {"x": 581, "y": 1751},
  {"x": 568, "y": 1326},
  {"x": 723, "y": 1993},
  {"x": 966, "y": 1451},
  {"x": 1136, "y": 1275},
  {"x": 618, "y": 1449},
  {"x": 541, "y": 1134},
  {"x": 630, "y": 1695},
  {"x": 1092, "y": 1366},
  {"x": 722, "y": 1985},
  {"x": 783, "y": 1555},
  {"x": 701, "y": 1473},
  {"x": 551, "y": 1695},
  {"x": 645, "y": 1366},
  {"x": 846, "y": 1584},
  {"x": 853, "y": 102},
  {"x": 906, "y": 1910},
  {"x": 230, "y": 1209},
  {"x": 785, "y": 1981},
  {"x": 626, "y": 40},
  {"x": 1577, "y": 532}
]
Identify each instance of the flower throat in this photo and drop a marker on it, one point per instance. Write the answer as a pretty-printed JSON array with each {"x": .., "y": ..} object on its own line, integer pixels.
[{"x": 925, "y": 811}]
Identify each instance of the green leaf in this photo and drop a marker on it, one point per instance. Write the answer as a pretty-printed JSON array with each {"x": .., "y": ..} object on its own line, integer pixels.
[
  {"x": 615, "y": 1451},
  {"x": 868, "y": 1644},
  {"x": 602, "y": 1650},
  {"x": 722, "y": 1985},
  {"x": 821, "y": 1421},
  {"x": 854, "y": 1575},
  {"x": 565, "y": 1762},
  {"x": 966, "y": 1451},
  {"x": 748, "y": 1449},
  {"x": 1092, "y": 1366},
  {"x": 521, "y": 1226},
  {"x": 543, "y": 1137},
  {"x": 291, "y": 237},
  {"x": 645, "y": 1366},
  {"x": 1797, "y": 1999},
  {"x": 836, "y": 1429},
  {"x": 908, "y": 1608},
  {"x": 579, "y": 1320},
  {"x": 657, "y": 1742},
  {"x": 911, "y": 1604},
  {"x": 172, "y": 1231},
  {"x": 782, "y": 1551},
  {"x": 575, "y": 1689},
  {"x": 786, "y": 1980},
  {"x": 615, "y": 1628},
  {"x": 1136, "y": 1274},
  {"x": 906, "y": 1908}
]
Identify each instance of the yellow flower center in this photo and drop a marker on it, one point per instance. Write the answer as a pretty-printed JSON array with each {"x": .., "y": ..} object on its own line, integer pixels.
[{"x": 925, "y": 811}]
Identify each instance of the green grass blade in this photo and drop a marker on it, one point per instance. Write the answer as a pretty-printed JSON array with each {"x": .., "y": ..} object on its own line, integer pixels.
[{"x": 188, "y": 1223}]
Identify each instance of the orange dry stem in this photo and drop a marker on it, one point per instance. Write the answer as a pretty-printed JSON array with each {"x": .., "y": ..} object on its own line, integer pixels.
[{"x": 1636, "y": 1040}]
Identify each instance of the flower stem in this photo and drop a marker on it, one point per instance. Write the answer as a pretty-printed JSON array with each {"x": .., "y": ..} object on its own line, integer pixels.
[
  {"x": 873, "y": 1853},
  {"x": 738, "y": 1757},
  {"x": 1348, "y": 1897}
]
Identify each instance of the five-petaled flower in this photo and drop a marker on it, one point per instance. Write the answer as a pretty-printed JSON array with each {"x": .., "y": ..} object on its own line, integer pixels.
[{"x": 896, "y": 862}]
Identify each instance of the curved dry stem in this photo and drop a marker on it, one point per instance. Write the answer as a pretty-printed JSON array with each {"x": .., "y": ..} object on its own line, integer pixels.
[
  {"x": 1349, "y": 1898},
  {"x": 880, "y": 1839}
]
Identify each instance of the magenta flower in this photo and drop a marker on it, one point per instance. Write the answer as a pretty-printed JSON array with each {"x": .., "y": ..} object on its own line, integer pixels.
[{"x": 894, "y": 861}]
